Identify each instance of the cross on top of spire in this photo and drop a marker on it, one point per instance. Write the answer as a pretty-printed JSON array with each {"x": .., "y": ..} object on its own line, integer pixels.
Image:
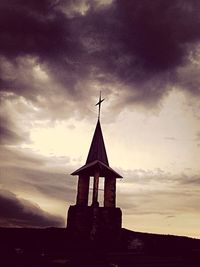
[{"x": 99, "y": 104}]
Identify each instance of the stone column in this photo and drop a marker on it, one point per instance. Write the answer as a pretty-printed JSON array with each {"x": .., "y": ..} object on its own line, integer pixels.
[
  {"x": 83, "y": 190},
  {"x": 110, "y": 192},
  {"x": 95, "y": 188}
]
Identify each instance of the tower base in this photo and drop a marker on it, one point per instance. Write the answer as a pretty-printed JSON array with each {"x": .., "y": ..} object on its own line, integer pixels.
[{"x": 94, "y": 221}]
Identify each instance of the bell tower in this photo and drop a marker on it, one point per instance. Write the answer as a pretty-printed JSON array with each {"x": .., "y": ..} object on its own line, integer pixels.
[{"x": 95, "y": 219}]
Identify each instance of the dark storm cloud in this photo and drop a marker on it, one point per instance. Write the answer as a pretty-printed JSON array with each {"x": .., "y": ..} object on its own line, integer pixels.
[
  {"x": 11, "y": 130},
  {"x": 142, "y": 44},
  {"x": 36, "y": 34},
  {"x": 32, "y": 28},
  {"x": 137, "y": 45},
  {"x": 9, "y": 133},
  {"x": 157, "y": 30},
  {"x": 159, "y": 176},
  {"x": 48, "y": 182},
  {"x": 145, "y": 192},
  {"x": 8, "y": 136},
  {"x": 15, "y": 212},
  {"x": 21, "y": 158},
  {"x": 33, "y": 173}
]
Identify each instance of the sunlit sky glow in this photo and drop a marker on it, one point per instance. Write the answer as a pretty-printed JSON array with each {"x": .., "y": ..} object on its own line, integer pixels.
[{"x": 51, "y": 71}]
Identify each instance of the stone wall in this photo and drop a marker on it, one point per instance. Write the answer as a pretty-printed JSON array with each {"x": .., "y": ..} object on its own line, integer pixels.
[{"x": 90, "y": 219}]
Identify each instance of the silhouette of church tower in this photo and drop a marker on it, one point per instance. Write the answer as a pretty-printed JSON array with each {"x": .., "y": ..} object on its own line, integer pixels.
[{"x": 95, "y": 219}]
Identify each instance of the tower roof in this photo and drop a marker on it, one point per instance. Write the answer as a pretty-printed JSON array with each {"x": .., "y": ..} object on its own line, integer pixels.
[
  {"x": 97, "y": 148},
  {"x": 90, "y": 169},
  {"x": 97, "y": 159}
]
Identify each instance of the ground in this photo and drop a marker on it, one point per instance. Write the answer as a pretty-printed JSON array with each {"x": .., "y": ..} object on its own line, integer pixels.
[{"x": 57, "y": 247}]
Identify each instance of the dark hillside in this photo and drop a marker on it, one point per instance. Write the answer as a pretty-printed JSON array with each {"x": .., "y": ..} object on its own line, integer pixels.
[{"x": 54, "y": 247}]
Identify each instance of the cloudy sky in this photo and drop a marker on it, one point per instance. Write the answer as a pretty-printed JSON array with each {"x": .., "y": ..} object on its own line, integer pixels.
[{"x": 55, "y": 57}]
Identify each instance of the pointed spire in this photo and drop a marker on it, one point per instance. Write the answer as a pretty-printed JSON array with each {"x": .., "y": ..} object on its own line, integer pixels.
[
  {"x": 97, "y": 157},
  {"x": 97, "y": 149}
]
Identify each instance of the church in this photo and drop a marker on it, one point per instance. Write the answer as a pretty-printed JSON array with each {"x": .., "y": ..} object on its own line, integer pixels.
[{"x": 94, "y": 219}]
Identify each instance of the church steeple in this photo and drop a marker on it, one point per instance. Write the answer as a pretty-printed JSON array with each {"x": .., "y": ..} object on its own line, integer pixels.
[
  {"x": 97, "y": 149},
  {"x": 90, "y": 218}
]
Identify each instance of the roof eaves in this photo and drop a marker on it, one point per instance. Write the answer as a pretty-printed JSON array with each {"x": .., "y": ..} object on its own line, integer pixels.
[{"x": 100, "y": 165}]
